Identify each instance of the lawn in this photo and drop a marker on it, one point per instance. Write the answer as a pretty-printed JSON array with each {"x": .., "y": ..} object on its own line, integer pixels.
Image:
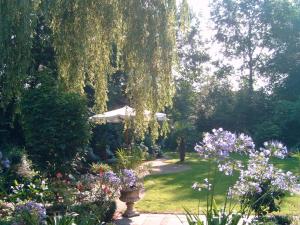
[{"x": 171, "y": 192}]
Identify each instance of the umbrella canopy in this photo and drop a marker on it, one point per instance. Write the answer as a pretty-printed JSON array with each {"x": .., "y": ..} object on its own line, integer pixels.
[{"x": 119, "y": 115}]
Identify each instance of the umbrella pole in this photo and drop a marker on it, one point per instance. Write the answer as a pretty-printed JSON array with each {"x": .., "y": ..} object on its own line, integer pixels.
[{"x": 126, "y": 137}]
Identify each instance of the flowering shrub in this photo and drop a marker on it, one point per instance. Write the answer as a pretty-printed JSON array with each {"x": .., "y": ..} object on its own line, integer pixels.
[
  {"x": 29, "y": 213},
  {"x": 260, "y": 184},
  {"x": 95, "y": 196},
  {"x": 98, "y": 188},
  {"x": 36, "y": 190}
]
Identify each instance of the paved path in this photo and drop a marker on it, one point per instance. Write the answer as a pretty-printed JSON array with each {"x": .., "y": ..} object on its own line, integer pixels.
[{"x": 153, "y": 219}]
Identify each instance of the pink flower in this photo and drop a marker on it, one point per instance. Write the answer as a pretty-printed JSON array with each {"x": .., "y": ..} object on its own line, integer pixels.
[{"x": 59, "y": 175}]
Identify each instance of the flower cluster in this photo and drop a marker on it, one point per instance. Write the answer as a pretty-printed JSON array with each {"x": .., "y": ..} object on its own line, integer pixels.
[
  {"x": 260, "y": 172},
  {"x": 32, "y": 208},
  {"x": 111, "y": 178},
  {"x": 220, "y": 143},
  {"x": 37, "y": 190},
  {"x": 274, "y": 148},
  {"x": 130, "y": 180},
  {"x": 102, "y": 187}
]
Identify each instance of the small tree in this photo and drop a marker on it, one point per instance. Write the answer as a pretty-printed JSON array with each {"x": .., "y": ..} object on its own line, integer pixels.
[{"x": 55, "y": 126}]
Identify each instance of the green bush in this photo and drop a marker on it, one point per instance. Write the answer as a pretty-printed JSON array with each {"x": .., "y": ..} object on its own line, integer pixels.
[
  {"x": 95, "y": 213},
  {"x": 129, "y": 159},
  {"x": 55, "y": 126},
  {"x": 96, "y": 168}
]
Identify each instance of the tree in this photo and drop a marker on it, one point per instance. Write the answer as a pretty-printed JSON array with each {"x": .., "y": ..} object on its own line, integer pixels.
[
  {"x": 17, "y": 22},
  {"x": 191, "y": 57},
  {"x": 83, "y": 35},
  {"x": 144, "y": 33},
  {"x": 241, "y": 29}
]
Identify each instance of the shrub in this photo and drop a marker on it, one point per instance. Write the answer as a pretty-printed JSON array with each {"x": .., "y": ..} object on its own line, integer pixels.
[
  {"x": 30, "y": 213},
  {"x": 95, "y": 213},
  {"x": 10, "y": 158},
  {"x": 129, "y": 159},
  {"x": 55, "y": 126},
  {"x": 97, "y": 168},
  {"x": 35, "y": 189}
]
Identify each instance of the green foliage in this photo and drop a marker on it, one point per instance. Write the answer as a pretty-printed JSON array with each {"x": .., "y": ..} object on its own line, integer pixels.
[
  {"x": 55, "y": 125},
  {"x": 149, "y": 84},
  {"x": 17, "y": 25},
  {"x": 96, "y": 168},
  {"x": 230, "y": 18},
  {"x": 35, "y": 189},
  {"x": 265, "y": 202},
  {"x": 193, "y": 219},
  {"x": 64, "y": 220},
  {"x": 9, "y": 175},
  {"x": 129, "y": 159},
  {"x": 26, "y": 217},
  {"x": 95, "y": 213}
]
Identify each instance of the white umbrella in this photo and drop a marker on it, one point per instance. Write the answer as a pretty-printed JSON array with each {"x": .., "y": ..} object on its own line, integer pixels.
[{"x": 119, "y": 115}]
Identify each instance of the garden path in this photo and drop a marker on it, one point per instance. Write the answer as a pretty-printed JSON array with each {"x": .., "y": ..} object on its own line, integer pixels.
[{"x": 162, "y": 166}]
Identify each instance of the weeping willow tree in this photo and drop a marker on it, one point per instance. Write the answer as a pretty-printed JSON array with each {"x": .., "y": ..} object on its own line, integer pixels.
[
  {"x": 83, "y": 35},
  {"x": 17, "y": 22},
  {"x": 144, "y": 33}
]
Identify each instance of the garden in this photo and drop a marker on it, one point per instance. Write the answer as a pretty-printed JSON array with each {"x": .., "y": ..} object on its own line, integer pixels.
[{"x": 115, "y": 109}]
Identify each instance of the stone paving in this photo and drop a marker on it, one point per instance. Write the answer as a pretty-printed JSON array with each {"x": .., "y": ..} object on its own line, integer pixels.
[{"x": 153, "y": 219}]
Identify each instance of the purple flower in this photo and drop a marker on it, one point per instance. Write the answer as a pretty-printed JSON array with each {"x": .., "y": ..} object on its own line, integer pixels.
[
  {"x": 129, "y": 179},
  {"x": 32, "y": 207},
  {"x": 260, "y": 171},
  {"x": 220, "y": 143},
  {"x": 274, "y": 148},
  {"x": 112, "y": 178}
]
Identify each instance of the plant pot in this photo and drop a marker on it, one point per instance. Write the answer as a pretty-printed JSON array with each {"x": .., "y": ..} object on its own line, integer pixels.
[{"x": 130, "y": 197}]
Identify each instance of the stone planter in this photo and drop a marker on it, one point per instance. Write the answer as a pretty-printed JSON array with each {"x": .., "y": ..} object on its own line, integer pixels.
[{"x": 130, "y": 197}]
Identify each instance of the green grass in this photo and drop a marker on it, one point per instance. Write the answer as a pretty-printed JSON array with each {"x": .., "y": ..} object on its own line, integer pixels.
[{"x": 169, "y": 193}]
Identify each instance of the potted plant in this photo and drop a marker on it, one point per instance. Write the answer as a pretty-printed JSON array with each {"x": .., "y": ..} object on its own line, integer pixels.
[{"x": 131, "y": 189}]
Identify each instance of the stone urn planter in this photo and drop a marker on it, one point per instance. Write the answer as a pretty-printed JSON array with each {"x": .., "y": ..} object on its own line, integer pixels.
[{"x": 130, "y": 197}]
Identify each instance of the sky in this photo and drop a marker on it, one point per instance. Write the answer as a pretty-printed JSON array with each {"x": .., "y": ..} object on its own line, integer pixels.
[{"x": 200, "y": 6}]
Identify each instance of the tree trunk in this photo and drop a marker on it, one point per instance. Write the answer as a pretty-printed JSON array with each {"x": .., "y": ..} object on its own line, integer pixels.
[{"x": 181, "y": 148}]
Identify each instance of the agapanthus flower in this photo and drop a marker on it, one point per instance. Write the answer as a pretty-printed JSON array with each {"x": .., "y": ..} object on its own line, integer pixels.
[
  {"x": 258, "y": 172},
  {"x": 274, "y": 148},
  {"x": 227, "y": 168},
  {"x": 221, "y": 143}
]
